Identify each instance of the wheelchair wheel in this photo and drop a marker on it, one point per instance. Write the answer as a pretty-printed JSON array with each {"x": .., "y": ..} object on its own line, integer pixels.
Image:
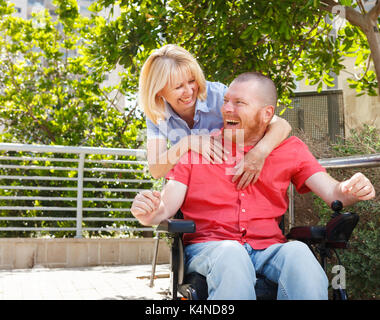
[{"x": 340, "y": 294}]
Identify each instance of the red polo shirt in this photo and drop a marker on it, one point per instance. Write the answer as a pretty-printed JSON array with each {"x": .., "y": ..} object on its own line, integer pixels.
[{"x": 221, "y": 212}]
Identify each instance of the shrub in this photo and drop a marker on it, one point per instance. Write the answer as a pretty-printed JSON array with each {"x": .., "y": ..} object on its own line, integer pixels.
[{"x": 361, "y": 260}]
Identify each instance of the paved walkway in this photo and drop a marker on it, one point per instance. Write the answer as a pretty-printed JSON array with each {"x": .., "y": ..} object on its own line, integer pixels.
[{"x": 92, "y": 283}]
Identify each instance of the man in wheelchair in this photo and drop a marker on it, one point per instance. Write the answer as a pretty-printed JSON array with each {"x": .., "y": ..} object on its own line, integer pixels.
[{"x": 237, "y": 231}]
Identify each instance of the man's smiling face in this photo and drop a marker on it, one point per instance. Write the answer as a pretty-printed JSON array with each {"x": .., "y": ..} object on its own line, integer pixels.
[{"x": 243, "y": 109}]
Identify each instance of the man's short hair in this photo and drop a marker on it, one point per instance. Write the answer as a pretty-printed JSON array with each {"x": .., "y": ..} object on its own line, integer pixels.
[{"x": 267, "y": 86}]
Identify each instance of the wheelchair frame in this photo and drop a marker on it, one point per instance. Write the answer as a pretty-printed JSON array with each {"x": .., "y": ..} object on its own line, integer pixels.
[{"x": 324, "y": 239}]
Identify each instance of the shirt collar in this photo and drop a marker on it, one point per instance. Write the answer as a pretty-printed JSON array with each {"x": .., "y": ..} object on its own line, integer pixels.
[
  {"x": 201, "y": 105},
  {"x": 221, "y": 132},
  {"x": 169, "y": 112}
]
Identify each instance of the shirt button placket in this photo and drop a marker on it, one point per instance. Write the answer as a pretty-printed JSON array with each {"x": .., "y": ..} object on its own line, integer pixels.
[{"x": 243, "y": 230}]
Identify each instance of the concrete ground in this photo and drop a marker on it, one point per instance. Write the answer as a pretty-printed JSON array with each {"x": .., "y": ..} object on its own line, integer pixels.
[{"x": 90, "y": 283}]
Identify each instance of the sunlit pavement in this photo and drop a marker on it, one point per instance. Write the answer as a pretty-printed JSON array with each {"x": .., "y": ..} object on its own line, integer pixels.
[{"x": 89, "y": 283}]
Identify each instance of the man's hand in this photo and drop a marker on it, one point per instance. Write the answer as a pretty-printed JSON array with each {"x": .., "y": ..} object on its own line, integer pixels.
[
  {"x": 358, "y": 186},
  {"x": 350, "y": 191},
  {"x": 145, "y": 205}
]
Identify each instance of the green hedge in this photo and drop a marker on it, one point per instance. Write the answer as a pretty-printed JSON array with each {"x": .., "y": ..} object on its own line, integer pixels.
[{"x": 362, "y": 259}]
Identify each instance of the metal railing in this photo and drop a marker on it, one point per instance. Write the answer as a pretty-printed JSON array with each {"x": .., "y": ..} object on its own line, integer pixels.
[
  {"x": 95, "y": 185},
  {"x": 59, "y": 188},
  {"x": 365, "y": 161}
]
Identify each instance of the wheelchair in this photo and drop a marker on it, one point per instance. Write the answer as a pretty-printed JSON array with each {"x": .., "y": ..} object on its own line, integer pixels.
[{"x": 322, "y": 240}]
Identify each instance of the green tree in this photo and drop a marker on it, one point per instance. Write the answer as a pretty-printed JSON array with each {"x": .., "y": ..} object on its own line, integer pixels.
[
  {"x": 287, "y": 40},
  {"x": 360, "y": 38},
  {"x": 49, "y": 91}
]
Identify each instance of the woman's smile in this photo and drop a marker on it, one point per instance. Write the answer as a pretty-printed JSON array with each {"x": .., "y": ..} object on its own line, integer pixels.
[{"x": 183, "y": 94}]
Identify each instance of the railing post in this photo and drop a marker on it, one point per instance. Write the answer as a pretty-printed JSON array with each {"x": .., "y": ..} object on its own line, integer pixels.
[
  {"x": 291, "y": 206},
  {"x": 80, "y": 195}
]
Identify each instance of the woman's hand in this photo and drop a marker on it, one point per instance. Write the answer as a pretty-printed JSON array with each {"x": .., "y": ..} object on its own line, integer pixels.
[
  {"x": 208, "y": 146},
  {"x": 249, "y": 168}
]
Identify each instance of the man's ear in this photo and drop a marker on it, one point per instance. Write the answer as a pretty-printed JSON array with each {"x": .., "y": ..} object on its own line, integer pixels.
[{"x": 268, "y": 113}]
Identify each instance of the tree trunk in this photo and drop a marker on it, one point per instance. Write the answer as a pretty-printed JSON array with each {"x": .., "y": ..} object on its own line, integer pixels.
[
  {"x": 373, "y": 37},
  {"x": 368, "y": 24}
]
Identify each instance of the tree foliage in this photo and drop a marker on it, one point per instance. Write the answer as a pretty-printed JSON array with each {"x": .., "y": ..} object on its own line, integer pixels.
[
  {"x": 52, "y": 71},
  {"x": 50, "y": 93},
  {"x": 287, "y": 40}
]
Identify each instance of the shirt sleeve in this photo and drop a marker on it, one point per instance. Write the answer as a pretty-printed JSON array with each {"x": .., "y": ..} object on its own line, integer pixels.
[
  {"x": 217, "y": 88},
  {"x": 307, "y": 166},
  {"x": 181, "y": 172},
  {"x": 153, "y": 131}
]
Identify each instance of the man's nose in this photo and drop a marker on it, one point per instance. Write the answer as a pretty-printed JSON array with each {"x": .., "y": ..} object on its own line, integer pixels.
[{"x": 228, "y": 107}]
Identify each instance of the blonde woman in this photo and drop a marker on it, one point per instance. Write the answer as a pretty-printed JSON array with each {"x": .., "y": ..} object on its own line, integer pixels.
[{"x": 182, "y": 108}]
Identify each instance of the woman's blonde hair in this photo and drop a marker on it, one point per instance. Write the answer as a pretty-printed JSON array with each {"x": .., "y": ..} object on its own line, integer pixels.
[{"x": 163, "y": 67}]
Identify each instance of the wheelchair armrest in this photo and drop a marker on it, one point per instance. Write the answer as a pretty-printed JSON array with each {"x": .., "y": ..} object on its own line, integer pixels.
[
  {"x": 339, "y": 229},
  {"x": 335, "y": 234},
  {"x": 312, "y": 234},
  {"x": 177, "y": 226}
]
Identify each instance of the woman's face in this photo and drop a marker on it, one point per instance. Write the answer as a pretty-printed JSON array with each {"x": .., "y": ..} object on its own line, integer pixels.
[{"x": 182, "y": 93}]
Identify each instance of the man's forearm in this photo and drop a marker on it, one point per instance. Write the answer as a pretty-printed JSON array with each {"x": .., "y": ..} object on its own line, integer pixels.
[
  {"x": 331, "y": 192},
  {"x": 278, "y": 130},
  {"x": 350, "y": 191}
]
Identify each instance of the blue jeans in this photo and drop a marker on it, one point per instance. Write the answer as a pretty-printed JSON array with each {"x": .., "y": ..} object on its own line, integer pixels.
[{"x": 230, "y": 269}]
